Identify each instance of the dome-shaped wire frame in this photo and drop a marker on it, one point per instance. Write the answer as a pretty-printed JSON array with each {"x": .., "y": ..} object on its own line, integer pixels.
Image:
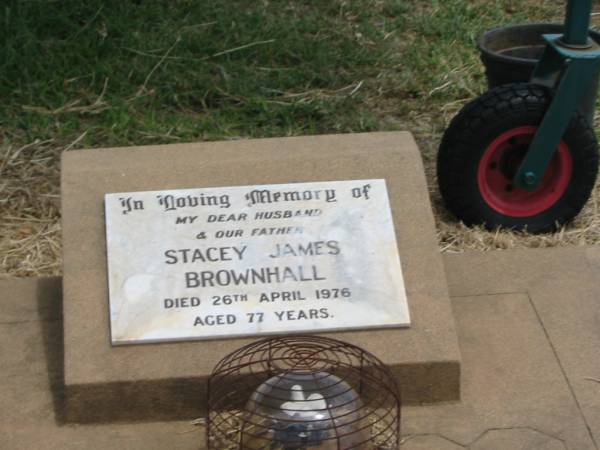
[{"x": 237, "y": 377}]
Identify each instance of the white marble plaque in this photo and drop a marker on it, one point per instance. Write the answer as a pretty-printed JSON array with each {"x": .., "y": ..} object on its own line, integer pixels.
[{"x": 252, "y": 260}]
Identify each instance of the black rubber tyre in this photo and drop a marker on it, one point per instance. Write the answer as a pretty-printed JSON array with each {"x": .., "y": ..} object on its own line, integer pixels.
[{"x": 473, "y": 136}]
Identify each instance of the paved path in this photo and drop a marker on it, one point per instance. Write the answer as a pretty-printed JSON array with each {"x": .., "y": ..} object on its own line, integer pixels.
[{"x": 529, "y": 331}]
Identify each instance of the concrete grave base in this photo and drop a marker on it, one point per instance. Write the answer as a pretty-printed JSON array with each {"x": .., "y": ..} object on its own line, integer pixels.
[
  {"x": 527, "y": 324},
  {"x": 160, "y": 381}
]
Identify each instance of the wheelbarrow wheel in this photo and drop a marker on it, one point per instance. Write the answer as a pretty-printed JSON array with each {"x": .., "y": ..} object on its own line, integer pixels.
[{"x": 483, "y": 147}]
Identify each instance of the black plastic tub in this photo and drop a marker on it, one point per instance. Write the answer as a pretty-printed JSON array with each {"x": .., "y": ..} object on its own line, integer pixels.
[{"x": 511, "y": 53}]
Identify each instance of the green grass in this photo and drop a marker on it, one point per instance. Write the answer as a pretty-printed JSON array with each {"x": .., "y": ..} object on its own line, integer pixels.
[
  {"x": 128, "y": 72},
  {"x": 98, "y": 73}
]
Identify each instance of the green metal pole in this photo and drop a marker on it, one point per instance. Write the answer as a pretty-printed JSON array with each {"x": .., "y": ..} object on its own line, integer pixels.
[
  {"x": 577, "y": 22},
  {"x": 571, "y": 89}
]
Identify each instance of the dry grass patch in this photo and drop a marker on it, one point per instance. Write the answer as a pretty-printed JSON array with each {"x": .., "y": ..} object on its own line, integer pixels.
[{"x": 30, "y": 241}]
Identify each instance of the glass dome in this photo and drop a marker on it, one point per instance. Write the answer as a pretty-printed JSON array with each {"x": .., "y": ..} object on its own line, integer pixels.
[{"x": 301, "y": 410}]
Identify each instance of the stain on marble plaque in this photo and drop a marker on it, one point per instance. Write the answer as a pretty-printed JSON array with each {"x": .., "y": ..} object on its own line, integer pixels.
[{"x": 252, "y": 260}]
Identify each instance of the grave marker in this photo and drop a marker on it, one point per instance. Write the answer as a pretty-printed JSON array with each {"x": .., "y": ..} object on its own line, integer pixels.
[
  {"x": 253, "y": 260},
  {"x": 100, "y": 376}
]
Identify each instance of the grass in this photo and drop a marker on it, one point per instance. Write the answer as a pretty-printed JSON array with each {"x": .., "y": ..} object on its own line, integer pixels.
[
  {"x": 113, "y": 73},
  {"x": 165, "y": 71}
]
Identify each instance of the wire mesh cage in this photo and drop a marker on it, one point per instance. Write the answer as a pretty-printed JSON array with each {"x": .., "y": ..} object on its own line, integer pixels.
[{"x": 300, "y": 393}]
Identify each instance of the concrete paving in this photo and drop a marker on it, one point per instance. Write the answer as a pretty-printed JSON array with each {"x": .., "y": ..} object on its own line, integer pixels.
[
  {"x": 529, "y": 332},
  {"x": 528, "y": 325},
  {"x": 32, "y": 383}
]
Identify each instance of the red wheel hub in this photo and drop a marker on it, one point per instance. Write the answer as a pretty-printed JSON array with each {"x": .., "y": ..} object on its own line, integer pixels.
[{"x": 499, "y": 165}]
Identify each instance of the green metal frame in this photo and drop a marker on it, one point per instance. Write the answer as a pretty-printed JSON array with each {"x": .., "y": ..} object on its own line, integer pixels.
[
  {"x": 568, "y": 65},
  {"x": 577, "y": 22}
]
